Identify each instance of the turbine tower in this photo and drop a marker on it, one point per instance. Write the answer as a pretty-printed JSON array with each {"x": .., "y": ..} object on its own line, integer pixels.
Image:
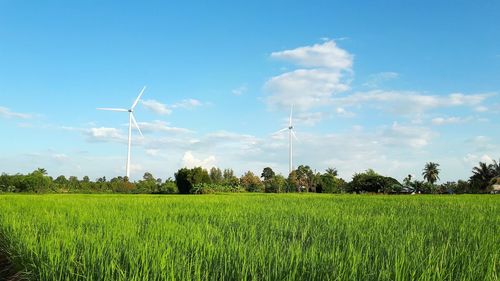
[
  {"x": 291, "y": 134},
  {"x": 131, "y": 119}
]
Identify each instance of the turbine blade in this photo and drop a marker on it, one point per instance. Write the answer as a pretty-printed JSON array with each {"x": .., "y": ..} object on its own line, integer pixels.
[
  {"x": 136, "y": 125},
  {"x": 291, "y": 113},
  {"x": 112, "y": 109},
  {"x": 138, "y": 97},
  {"x": 295, "y": 136},
  {"x": 282, "y": 130}
]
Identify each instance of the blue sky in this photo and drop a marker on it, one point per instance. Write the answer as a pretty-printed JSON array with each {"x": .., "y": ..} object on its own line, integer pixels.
[{"x": 388, "y": 85}]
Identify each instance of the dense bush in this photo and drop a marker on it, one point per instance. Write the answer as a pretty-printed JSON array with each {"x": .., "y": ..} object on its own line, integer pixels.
[
  {"x": 275, "y": 184},
  {"x": 186, "y": 179},
  {"x": 370, "y": 181}
]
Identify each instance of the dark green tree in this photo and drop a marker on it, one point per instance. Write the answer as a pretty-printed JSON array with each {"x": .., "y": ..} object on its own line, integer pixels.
[
  {"x": 267, "y": 173},
  {"x": 275, "y": 184},
  {"x": 481, "y": 177},
  {"x": 370, "y": 181},
  {"x": 186, "y": 179}
]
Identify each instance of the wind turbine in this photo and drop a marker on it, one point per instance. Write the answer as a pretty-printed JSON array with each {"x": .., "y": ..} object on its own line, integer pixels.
[
  {"x": 131, "y": 119},
  {"x": 291, "y": 133}
]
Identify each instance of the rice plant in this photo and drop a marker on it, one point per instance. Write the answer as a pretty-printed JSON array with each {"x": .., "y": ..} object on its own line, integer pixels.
[{"x": 252, "y": 237}]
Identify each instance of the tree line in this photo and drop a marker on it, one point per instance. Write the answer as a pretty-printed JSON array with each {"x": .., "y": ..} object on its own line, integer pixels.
[{"x": 303, "y": 179}]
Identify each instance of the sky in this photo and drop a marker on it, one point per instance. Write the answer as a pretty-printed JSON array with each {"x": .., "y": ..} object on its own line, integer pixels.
[{"x": 387, "y": 85}]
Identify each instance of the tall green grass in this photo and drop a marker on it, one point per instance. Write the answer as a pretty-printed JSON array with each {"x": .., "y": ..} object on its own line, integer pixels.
[{"x": 253, "y": 237}]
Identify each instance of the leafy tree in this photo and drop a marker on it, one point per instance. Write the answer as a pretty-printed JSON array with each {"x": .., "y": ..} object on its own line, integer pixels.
[
  {"x": 229, "y": 179},
  {"x": 36, "y": 181},
  {"x": 305, "y": 177},
  {"x": 275, "y": 184},
  {"x": 186, "y": 179},
  {"x": 431, "y": 172},
  {"x": 168, "y": 187},
  {"x": 216, "y": 175},
  {"x": 329, "y": 183},
  {"x": 267, "y": 173},
  {"x": 370, "y": 181},
  {"x": 292, "y": 182},
  {"x": 148, "y": 184},
  {"x": 251, "y": 182},
  {"x": 61, "y": 180}
]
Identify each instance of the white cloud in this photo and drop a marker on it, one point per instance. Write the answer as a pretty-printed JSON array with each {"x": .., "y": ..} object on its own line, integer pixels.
[
  {"x": 473, "y": 159},
  {"x": 325, "y": 55},
  {"x": 448, "y": 120},
  {"x": 412, "y": 136},
  {"x": 240, "y": 90},
  {"x": 482, "y": 143},
  {"x": 105, "y": 134},
  {"x": 152, "y": 152},
  {"x": 309, "y": 118},
  {"x": 190, "y": 161},
  {"x": 375, "y": 80},
  {"x": 60, "y": 157},
  {"x": 161, "y": 126},
  {"x": 481, "y": 108},
  {"x": 313, "y": 86},
  {"x": 187, "y": 104},
  {"x": 305, "y": 88},
  {"x": 408, "y": 102},
  {"x": 164, "y": 109},
  {"x": 7, "y": 113},
  {"x": 343, "y": 112},
  {"x": 156, "y": 107}
]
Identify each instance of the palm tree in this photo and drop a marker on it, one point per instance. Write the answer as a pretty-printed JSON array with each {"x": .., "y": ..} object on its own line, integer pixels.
[
  {"x": 482, "y": 175},
  {"x": 431, "y": 172},
  {"x": 332, "y": 171},
  {"x": 483, "y": 172},
  {"x": 495, "y": 168}
]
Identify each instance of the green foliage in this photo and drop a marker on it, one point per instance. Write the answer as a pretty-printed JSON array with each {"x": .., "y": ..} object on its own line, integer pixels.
[
  {"x": 275, "y": 184},
  {"x": 292, "y": 182},
  {"x": 267, "y": 173},
  {"x": 230, "y": 179},
  {"x": 216, "y": 175},
  {"x": 370, "y": 181},
  {"x": 482, "y": 176},
  {"x": 168, "y": 187},
  {"x": 252, "y": 237},
  {"x": 205, "y": 188},
  {"x": 329, "y": 183},
  {"x": 305, "y": 178},
  {"x": 186, "y": 179},
  {"x": 431, "y": 172},
  {"x": 251, "y": 182},
  {"x": 148, "y": 184}
]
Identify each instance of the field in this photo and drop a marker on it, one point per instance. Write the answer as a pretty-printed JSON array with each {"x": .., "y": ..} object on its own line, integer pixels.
[{"x": 252, "y": 237}]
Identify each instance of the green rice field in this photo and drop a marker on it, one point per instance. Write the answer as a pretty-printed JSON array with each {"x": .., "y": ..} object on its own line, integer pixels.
[{"x": 251, "y": 237}]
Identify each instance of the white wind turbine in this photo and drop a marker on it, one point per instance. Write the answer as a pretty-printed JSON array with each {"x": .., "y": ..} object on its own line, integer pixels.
[
  {"x": 131, "y": 119},
  {"x": 291, "y": 133}
]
